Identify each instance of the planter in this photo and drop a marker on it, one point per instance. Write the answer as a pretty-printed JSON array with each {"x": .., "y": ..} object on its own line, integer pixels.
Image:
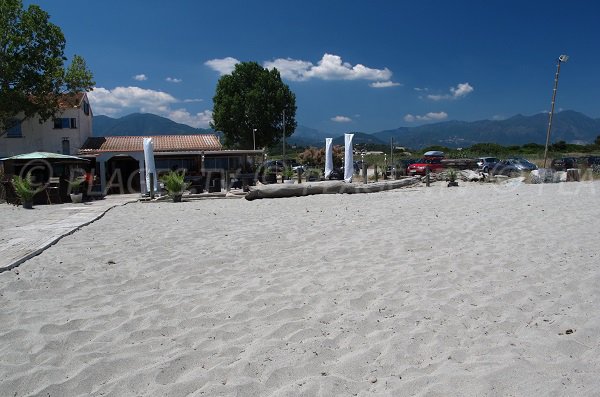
[
  {"x": 27, "y": 205},
  {"x": 288, "y": 182},
  {"x": 177, "y": 198},
  {"x": 450, "y": 184},
  {"x": 76, "y": 197},
  {"x": 270, "y": 178}
]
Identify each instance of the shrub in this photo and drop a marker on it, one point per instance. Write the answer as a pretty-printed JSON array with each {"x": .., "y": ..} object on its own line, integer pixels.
[
  {"x": 288, "y": 173},
  {"x": 451, "y": 175},
  {"x": 24, "y": 188},
  {"x": 174, "y": 183},
  {"x": 75, "y": 186}
]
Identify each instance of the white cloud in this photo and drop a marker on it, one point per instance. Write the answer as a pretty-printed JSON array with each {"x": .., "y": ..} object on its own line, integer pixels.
[
  {"x": 427, "y": 117},
  {"x": 201, "y": 119},
  {"x": 341, "y": 119},
  {"x": 116, "y": 100},
  {"x": 223, "y": 66},
  {"x": 173, "y": 80},
  {"x": 122, "y": 100},
  {"x": 460, "y": 91},
  {"x": 290, "y": 69},
  {"x": 140, "y": 77},
  {"x": 192, "y": 100},
  {"x": 384, "y": 84},
  {"x": 330, "y": 67},
  {"x": 421, "y": 89}
]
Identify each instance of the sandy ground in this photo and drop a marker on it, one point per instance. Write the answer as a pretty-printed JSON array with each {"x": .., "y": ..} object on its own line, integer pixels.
[{"x": 477, "y": 290}]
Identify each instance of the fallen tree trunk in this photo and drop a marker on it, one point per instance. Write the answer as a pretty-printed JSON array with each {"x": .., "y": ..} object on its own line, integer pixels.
[{"x": 327, "y": 187}]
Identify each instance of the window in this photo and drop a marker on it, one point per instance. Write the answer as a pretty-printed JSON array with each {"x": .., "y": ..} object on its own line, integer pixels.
[
  {"x": 65, "y": 123},
  {"x": 66, "y": 147},
  {"x": 14, "y": 129}
]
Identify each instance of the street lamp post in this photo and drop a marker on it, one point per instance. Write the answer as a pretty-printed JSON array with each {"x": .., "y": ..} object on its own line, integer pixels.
[
  {"x": 562, "y": 58},
  {"x": 254, "y": 138}
]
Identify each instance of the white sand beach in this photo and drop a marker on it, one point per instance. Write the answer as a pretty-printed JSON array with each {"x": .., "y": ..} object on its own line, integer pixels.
[{"x": 480, "y": 290}]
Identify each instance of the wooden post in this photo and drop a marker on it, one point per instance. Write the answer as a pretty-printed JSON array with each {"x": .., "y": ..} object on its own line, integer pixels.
[
  {"x": 427, "y": 179},
  {"x": 151, "y": 185},
  {"x": 299, "y": 176},
  {"x": 573, "y": 175},
  {"x": 376, "y": 175},
  {"x": 364, "y": 170}
]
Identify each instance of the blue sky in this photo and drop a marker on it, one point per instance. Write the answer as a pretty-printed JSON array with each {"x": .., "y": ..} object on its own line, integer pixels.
[{"x": 353, "y": 65}]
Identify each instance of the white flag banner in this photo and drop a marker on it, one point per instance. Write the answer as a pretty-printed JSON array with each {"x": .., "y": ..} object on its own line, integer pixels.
[
  {"x": 348, "y": 159},
  {"x": 149, "y": 160},
  {"x": 328, "y": 157}
]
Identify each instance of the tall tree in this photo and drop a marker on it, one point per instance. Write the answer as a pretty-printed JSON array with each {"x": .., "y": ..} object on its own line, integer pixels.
[
  {"x": 32, "y": 70},
  {"x": 253, "y": 98}
]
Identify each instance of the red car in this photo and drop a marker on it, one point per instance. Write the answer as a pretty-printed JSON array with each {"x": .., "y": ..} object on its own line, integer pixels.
[{"x": 431, "y": 160}]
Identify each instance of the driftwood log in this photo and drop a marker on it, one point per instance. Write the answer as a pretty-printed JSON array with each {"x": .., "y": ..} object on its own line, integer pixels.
[{"x": 327, "y": 187}]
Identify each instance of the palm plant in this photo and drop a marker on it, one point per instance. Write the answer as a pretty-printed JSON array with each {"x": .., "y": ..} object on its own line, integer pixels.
[
  {"x": 24, "y": 190},
  {"x": 175, "y": 184}
]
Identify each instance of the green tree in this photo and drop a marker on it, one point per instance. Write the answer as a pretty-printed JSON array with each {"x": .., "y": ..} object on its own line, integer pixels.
[
  {"x": 253, "y": 98},
  {"x": 32, "y": 70}
]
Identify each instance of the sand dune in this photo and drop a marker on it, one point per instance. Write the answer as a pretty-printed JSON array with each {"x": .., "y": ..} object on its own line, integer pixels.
[{"x": 476, "y": 290}]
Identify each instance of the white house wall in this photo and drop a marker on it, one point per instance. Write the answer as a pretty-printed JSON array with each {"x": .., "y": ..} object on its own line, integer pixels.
[{"x": 45, "y": 138}]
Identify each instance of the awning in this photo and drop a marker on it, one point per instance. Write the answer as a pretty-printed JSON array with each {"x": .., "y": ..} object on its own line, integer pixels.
[{"x": 44, "y": 156}]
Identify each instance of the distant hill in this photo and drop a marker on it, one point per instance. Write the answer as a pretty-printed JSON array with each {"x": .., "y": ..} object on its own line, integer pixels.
[
  {"x": 568, "y": 126},
  {"x": 306, "y": 136},
  {"x": 137, "y": 124},
  {"x": 359, "y": 138}
]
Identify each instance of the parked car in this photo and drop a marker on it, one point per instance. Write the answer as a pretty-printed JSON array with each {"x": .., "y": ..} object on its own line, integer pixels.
[
  {"x": 358, "y": 166},
  {"x": 591, "y": 162},
  {"x": 279, "y": 166},
  {"x": 522, "y": 164},
  {"x": 420, "y": 167},
  {"x": 505, "y": 167},
  {"x": 563, "y": 163},
  {"x": 485, "y": 164}
]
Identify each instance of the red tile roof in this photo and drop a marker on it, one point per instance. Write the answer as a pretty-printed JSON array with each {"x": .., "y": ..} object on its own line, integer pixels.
[
  {"x": 66, "y": 101},
  {"x": 162, "y": 143}
]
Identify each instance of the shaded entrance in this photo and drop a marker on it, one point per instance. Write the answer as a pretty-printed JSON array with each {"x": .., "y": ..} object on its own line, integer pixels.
[{"x": 122, "y": 175}]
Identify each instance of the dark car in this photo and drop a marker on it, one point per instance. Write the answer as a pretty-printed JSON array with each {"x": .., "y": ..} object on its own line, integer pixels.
[
  {"x": 563, "y": 163},
  {"x": 358, "y": 166},
  {"x": 513, "y": 167},
  {"x": 591, "y": 162},
  {"x": 523, "y": 164},
  {"x": 279, "y": 165},
  {"x": 506, "y": 167}
]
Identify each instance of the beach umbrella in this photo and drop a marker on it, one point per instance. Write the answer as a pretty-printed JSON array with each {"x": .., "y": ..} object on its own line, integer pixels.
[
  {"x": 328, "y": 157},
  {"x": 149, "y": 160},
  {"x": 348, "y": 160}
]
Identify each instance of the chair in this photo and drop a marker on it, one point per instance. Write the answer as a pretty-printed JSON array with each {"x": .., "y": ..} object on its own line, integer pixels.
[{"x": 53, "y": 191}]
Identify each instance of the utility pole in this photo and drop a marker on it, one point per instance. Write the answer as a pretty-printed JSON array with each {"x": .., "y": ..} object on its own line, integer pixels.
[
  {"x": 284, "y": 138},
  {"x": 562, "y": 58}
]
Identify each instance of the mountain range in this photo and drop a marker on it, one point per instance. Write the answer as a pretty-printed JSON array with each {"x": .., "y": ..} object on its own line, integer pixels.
[
  {"x": 569, "y": 126},
  {"x": 137, "y": 124}
]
